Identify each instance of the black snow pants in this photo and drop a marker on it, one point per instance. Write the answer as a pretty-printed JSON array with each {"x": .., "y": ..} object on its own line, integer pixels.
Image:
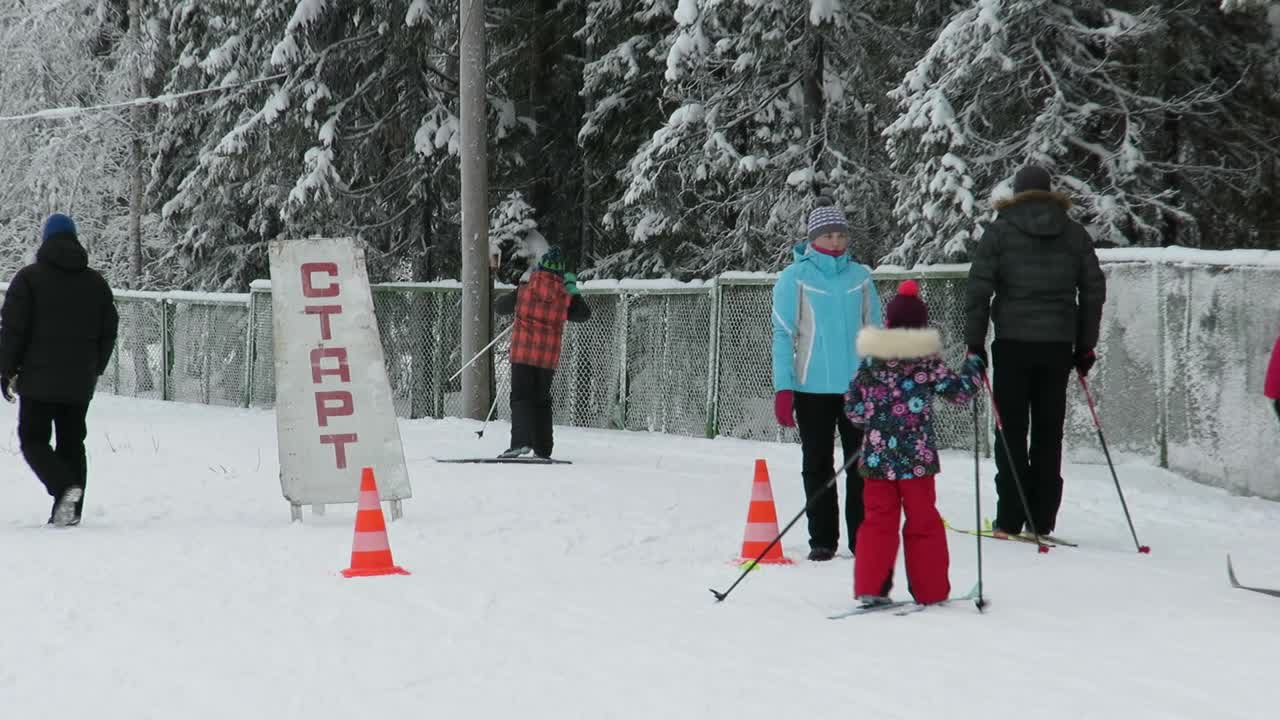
[
  {"x": 818, "y": 417},
  {"x": 531, "y": 408},
  {"x": 1030, "y": 383},
  {"x": 62, "y": 467}
]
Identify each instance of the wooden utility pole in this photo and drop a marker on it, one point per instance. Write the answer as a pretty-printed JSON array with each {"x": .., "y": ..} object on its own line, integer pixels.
[
  {"x": 475, "y": 210},
  {"x": 138, "y": 340},
  {"x": 136, "y": 155}
]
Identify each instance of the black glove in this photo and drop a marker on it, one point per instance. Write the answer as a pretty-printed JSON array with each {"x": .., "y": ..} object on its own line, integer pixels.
[
  {"x": 1277, "y": 408},
  {"x": 981, "y": 353},
  {"x": 1084, "y": 361},
  {"x": 5, "y": 380}
]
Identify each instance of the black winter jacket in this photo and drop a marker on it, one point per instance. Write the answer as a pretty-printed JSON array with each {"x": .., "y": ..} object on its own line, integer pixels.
[
  {"x": 1042, "y": 269},
  {"x": 57, "y": 325}
]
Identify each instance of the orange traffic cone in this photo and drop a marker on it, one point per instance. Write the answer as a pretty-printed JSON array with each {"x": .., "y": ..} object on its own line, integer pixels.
[
  {"x": 370, "y": 550},
  {"x": 762, "y": 521}
]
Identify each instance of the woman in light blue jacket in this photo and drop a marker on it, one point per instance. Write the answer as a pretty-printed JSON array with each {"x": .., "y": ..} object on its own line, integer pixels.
[{"x": 820, "y": 303}]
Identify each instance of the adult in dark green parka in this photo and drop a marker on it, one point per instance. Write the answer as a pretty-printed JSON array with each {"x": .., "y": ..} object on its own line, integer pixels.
[{"x": 1035, "y": 277}]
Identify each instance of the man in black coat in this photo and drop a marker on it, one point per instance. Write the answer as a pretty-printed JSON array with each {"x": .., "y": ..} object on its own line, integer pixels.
[
  {"x": 1049, "y": 289},
  {"x": 57, "y": 331}
]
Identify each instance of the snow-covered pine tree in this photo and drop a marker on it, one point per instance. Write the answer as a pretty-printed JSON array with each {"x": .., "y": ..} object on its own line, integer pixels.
[
  {"x": 1221, "y": 161},
  {"x": 538, "y": 64},
  {"x": 1011, "y": 81},
  {"x": 61, "y": 55},
  {"x": 1163, "y": 121},
  {"x": 621, "y": 84},
  {"x": 376, "y": 100},
  {"x": 1229, "y": 6},
  {"x": 764, "y": 105},
  {"x": 215, "y": 165},
  {"x": 358, "y": 136}
]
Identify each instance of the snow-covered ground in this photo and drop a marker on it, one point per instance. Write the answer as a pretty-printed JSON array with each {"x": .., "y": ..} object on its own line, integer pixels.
[{"x": 581, "y": 592}]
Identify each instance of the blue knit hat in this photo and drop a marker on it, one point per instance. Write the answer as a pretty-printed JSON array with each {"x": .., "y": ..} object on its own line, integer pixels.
[
  {"x": 551, "y": 261},
  {"x": 825, "y": 218},
  {"x": 58, "y": 224}
]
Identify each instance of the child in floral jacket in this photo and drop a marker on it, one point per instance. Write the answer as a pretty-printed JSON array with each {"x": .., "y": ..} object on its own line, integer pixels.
[{"x": 891, "y": 397}]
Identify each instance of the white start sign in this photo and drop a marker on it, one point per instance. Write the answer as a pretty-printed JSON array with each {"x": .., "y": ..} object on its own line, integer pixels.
[{"x": 334, "y": 413}]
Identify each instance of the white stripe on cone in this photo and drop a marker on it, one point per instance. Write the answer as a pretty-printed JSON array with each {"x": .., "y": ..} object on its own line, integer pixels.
[
  {"x": 761, "y": 492},
  {"x": 370, "y": 542},
  {"x": 369, "y": 500},
  {"x": 761, "y": 532}
]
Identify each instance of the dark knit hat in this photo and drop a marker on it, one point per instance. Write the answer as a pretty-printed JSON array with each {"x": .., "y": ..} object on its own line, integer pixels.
[
  {"x": 906, "y": 309},
  {"x": 551, "y": 261},
  {"x": 58, "y": 224},
  {"x": 1032, "y": 177},
  {"x": 826, "y": 217}
]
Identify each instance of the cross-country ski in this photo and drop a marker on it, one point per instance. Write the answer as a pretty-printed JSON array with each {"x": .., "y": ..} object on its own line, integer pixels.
[
  {"x": 506, "y": 460},
  {"x": 987, "y": 532},
  {"x": 901, "y": 607},
  {"x": 1231, "y": 577}
]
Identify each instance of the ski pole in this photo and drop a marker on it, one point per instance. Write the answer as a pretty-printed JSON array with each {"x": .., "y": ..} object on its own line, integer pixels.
[
  {"x": 1008, "y": 455},
  {"x": 751, "y": 565},
  {"x": 482, "y": 351},
  {"x": 1144, "y": 549},
  {"x": 977, "y": 503},
  {"x": 494, "y": 406}
]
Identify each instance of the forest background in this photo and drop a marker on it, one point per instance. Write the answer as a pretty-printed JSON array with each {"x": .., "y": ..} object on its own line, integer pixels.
[{"x": 647, "y": 138}]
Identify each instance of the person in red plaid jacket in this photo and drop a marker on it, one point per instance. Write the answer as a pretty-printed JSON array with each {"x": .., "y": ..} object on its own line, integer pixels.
[{"x": 542, "y": 305}]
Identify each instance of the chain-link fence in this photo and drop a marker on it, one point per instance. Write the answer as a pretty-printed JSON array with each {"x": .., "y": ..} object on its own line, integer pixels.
[
  {"x": 743, "y": 397},
  {"x": 208, "y": 348},
  {"x": 668, "y": 343},
  {"x": 136, "y": 368},
  {"x": 1218, "y": 325},
  {"x": 1182, "y": 355},
  {"x": 190, "y": 347},
  {"x": 416, "y": 324},
  {"x": 1127, "y": 379},
  {"x": 262, "y": 367}
]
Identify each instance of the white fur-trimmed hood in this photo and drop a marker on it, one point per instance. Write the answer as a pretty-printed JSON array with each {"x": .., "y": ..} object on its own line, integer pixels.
[{"x": 898, "y": 343}]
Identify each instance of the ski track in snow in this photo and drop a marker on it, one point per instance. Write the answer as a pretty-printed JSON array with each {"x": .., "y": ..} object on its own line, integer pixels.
[{"x": 581, "y": 591}]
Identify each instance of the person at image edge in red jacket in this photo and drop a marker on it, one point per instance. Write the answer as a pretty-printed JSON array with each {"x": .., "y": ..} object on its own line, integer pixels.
[{"x": 1272, "y": 389}]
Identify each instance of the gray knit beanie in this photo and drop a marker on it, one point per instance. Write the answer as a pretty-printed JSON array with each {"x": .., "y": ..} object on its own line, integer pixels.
[{"x": 826, "y": 217}]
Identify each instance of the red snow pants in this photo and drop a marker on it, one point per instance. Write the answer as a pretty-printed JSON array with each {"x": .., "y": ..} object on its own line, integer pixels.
[{"x": 923, "y": 536}]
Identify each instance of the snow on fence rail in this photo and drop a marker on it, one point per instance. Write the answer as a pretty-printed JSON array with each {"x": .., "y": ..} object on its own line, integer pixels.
[{"x": 1184, "y": 347}]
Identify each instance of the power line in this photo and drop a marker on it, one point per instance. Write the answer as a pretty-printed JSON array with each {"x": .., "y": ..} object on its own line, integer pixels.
[{"x": 64, "y": 113}]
